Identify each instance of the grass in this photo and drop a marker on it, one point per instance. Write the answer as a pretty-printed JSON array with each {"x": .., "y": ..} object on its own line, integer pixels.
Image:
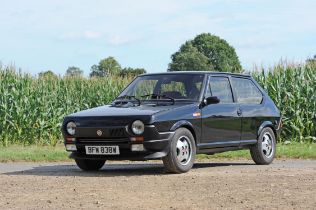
[
  {"x": 58, "y": 153},
  {"x": 294, "y": 150},
  {"x": 33, "y": 153}
]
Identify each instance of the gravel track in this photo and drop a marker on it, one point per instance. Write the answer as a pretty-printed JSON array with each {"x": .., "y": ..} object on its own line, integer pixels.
[{"x": 211, "y": 184}]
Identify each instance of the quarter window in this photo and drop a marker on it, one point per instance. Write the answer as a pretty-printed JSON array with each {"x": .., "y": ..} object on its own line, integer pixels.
[
  {"x": 246, "y": 91},
  {"x": 220, "y": 87}
]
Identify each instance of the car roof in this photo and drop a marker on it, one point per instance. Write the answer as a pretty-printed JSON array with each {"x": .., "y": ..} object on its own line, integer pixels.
[{"x": 198, "y": 72}]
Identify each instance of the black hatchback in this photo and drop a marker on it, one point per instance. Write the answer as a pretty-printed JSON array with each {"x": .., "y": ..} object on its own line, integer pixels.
[{"x": 174, "y": 116}]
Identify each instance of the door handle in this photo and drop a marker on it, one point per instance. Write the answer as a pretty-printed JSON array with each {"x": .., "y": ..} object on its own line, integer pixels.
[{"x": 239, "y": 112}]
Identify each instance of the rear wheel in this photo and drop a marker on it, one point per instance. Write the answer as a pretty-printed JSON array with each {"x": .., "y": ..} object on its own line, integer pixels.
[
  {"x": 182, "y": 151},
  {"x": 89, "y": 165},
  {"x": 264, "y": 151}
]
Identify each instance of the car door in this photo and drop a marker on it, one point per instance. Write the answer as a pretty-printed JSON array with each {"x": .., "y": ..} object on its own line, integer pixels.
[
  {"x": 221, "y": 123},
  {"x": 250, "y": 100}
]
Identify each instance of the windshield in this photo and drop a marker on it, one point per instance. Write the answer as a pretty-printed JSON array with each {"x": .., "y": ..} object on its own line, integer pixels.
[{"x": 174, "y": 86}]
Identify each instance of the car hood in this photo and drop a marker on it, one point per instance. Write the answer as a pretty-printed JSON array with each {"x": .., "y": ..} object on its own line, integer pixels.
[
  {"x": 116, "y": 115},
  {"x": 111, "y": 111}
]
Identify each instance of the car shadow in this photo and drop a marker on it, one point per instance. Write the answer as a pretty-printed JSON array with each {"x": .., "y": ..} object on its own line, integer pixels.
[{"x": 111, "y": 170}]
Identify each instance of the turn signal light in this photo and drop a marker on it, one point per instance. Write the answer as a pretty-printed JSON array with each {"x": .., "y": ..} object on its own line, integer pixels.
[
  {"x": 68, "y": 139},
  {"x": 137, "y": 139}
]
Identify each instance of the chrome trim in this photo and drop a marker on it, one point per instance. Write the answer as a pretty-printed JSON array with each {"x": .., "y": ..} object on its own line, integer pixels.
[
  {"x": 170, "y": 132},
  {"x": 158, "y": 140},
  {"x": 150, "y": 126}
]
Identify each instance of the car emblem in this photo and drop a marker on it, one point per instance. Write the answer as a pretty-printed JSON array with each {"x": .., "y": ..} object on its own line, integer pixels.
[{"x": 99, "y": 132}]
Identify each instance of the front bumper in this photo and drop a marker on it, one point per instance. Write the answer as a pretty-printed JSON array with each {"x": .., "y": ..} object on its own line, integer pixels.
[{"x": 156, "y": 146}]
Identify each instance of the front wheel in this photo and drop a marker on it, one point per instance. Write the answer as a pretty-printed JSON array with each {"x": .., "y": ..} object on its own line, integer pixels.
[
  {"x": 182, "y": 152},
  {"x": 89, "y": 165},
  {"x": 264, "y": 151}
]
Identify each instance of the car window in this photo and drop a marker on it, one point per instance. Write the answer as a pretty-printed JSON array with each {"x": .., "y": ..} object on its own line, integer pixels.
[
  {"x": 220, "y": 87},
  {"x": 144, "y": 87},
  {"x": 246, "y": 91},
  {"x": 174, "y": 86}
]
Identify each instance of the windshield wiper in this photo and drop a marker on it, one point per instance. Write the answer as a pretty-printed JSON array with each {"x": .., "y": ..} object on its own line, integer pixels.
[
  {"x": 159, "y": 95},
  {"x": 128, "y": 97}
]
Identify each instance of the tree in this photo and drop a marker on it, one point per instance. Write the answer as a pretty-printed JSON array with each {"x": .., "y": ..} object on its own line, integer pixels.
[
  {"x": 206, "y": 52},
  {"x": 73, "y": 71},
  {"x": 189, "y": 58},
  {"x": 106, "y": 67},
  {"x": 47, "y": 74},
  {"x": 311, "y": 61},
  {"x": 130, "y": 72}
]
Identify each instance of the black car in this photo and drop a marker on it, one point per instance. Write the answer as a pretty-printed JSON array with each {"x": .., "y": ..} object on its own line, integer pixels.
[{"x": 174, "y": 116}]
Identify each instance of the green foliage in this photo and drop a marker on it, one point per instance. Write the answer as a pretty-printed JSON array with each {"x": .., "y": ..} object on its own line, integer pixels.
[
  {"x": 206, "y": 52},
  {"x": 189, "y": 59},
  {"x": 130, "y": 72},
  {"x": 107, "y": 67},
  {"x": 293, "y": 89},
  {"x": 74, "y": 71},
  {"x": 47, "y": 74},
  {"x": 32, "y": 109},
  {"x": 311, "y": 61}
]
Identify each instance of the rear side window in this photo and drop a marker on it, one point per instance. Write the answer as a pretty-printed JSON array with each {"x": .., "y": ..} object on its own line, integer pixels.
[
  {"x": 246, "y": 91},
  {"x": 220, "y": 87}
]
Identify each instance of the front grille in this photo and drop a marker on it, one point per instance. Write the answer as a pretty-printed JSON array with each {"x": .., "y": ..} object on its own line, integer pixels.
[{"x": 117, "y": 132}]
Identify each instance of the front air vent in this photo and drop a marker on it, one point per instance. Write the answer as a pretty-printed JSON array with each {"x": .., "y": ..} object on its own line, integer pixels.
[{"x": 117, "y": 132}]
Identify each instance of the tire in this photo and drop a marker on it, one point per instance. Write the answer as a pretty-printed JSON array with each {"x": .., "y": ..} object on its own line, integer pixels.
[
  {"x": 176, "y": 161},
  {"x": 89, "y": 165},
  {"x": 263, "y": 152}
]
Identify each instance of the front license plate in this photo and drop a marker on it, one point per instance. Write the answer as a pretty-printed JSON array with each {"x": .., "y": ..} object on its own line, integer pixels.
[{"x": 102, "y": 150}]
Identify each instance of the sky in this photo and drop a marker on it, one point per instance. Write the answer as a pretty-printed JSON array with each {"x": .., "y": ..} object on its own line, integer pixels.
[{"x": 39, "y": 35}]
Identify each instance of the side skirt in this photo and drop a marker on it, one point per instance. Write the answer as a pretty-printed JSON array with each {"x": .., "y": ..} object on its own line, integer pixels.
[{"x": 217, "y": 147}]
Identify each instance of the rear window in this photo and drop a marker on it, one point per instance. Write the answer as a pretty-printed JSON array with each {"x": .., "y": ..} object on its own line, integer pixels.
[{"x": 246, "y": 91}]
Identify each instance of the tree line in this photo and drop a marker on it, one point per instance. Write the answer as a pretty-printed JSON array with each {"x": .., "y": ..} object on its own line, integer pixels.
[
  {"x": 206, "y": 52},
  {"x": 106, "y": 67}
]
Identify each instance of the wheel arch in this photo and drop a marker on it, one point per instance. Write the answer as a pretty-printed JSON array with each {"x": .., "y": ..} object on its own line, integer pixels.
[
  {"x": 268, "y": 124},
  {"x": 184, "y": 124}
]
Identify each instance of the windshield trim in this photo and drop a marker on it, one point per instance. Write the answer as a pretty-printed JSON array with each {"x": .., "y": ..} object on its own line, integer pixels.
[{"x": 201, "y": 94}]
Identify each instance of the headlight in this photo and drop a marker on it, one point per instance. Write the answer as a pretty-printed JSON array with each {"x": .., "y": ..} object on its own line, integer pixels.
[
  {"x": 71, "y": 128},
  {"x": 138, "y": 127}
]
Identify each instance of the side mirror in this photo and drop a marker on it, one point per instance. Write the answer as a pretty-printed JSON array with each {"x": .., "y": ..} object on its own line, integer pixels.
[{"x": 211, "y": 100}]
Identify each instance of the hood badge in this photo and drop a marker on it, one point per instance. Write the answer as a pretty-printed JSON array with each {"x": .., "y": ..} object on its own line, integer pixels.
[{"x": 99, "y": 132}]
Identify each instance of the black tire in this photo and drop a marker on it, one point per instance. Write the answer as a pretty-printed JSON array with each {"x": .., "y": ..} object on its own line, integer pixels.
[
  {"x": 171, "y": 162},
  {"x": 259, "y": 151},
  {"x": 89, "y": 165}
]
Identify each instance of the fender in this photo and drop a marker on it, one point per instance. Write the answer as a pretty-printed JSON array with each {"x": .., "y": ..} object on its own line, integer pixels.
[
  {"x": 188, "y": 125},
  {"x": 181, "y": 123},
  {"x": 266, "y": 124}
]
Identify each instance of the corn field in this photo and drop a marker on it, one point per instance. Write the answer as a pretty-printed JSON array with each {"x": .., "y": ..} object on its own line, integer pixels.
[
  {"x": 32, "y": 109},
  {"x": 293, "y": 89}
]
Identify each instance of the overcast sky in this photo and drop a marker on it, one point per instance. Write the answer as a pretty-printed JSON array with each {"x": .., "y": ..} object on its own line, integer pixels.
[{"x": 38, "y": 35}]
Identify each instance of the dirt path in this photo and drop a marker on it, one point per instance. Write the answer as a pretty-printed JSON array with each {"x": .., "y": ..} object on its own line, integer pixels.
[{"x": 226, "y": 184}]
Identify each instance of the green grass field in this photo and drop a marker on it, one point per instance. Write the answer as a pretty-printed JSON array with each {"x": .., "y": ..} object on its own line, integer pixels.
[{"x": 58, "y": 153}]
